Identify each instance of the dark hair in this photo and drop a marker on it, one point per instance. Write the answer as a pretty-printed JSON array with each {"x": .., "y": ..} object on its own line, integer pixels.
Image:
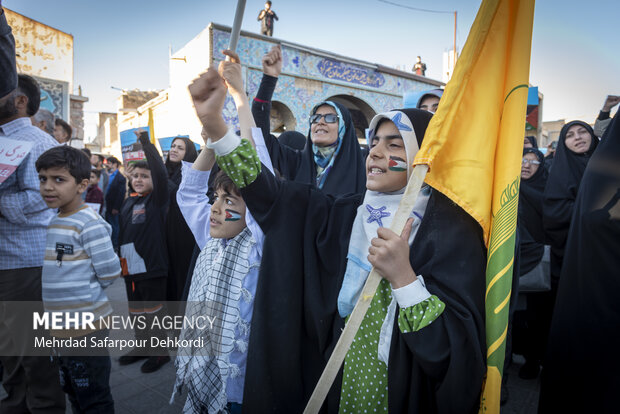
[
  {"x": 87, "y": 152},
  {"x": 63, "y": 156},
  {"x": 101, "y": 158},
  {"x": 96, "y": 172},
  {"x": 65, "y": 126},
  {"x": 532, "y": 140},
  {"x": 29, "y": 87},
  {"x": 268, "y": 2},
  {"x": 141, "y": 164},
  {"x": 113, "y": 160},
  {"x": 224, "y": 182}
]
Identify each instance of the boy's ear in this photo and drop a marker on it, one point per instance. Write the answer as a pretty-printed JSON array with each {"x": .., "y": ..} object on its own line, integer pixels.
[{"x": 83, "y": 185}]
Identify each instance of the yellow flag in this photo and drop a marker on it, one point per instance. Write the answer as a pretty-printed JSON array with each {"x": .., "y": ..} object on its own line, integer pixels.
[
  {"x": 473, "y": 147},
  {"x": 151, "y": 126}
]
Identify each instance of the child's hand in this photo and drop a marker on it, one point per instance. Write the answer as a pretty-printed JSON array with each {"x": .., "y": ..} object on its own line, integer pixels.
[
  {"x": 389, "y": 254},
  {"x": 272, "y": 62},
  {"x": 142, "y": 135},
  {"x": 208, "y": 92},
  {"x": 230, "y": 70}
]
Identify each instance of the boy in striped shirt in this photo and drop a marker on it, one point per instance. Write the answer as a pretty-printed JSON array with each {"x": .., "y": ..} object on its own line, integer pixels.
[{"x": 79, "y": 264}]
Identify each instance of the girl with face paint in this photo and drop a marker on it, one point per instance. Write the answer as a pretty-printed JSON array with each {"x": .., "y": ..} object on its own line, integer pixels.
[{"x": 426, "y": 320}]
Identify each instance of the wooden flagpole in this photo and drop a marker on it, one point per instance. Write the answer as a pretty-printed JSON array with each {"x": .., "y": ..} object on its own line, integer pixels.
[{"x": 363, "y": 303}]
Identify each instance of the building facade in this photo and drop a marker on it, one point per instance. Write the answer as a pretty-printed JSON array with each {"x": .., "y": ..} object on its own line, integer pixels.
[
  {"x": 309, "y": 76},
  {"x": 46, "y": 54}
]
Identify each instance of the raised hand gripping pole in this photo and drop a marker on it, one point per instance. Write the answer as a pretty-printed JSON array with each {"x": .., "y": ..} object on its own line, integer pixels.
[{"x": 355, "y": 320}]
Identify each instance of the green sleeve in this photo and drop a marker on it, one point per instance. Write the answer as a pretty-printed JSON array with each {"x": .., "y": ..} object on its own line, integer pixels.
[
  {"x": 416, "y": 317},
  {"x": 242, "y": 165}
]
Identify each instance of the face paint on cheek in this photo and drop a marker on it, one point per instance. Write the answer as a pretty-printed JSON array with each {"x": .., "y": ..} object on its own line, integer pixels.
[
  {"x": 232, "y": 215},
  {"x": 397, "y": 164}
]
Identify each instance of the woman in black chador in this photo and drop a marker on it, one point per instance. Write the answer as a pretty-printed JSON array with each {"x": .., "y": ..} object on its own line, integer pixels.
[
  {"x": 575, "y": 147},
  {"x": 179, "y": 238},
  {"x": 332, "y": 159},
  {"x": 528, "y": 333},
  {"x": 582, "y": 366}
]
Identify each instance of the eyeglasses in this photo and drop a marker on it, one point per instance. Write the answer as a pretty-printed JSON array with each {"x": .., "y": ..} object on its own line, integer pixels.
[
  {"x": 329, "y": 118},
  {"x": 525, "y": 161}
]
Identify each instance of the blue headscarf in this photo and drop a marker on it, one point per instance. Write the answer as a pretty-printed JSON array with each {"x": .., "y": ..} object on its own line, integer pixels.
[{"x": 324, "y": 157}]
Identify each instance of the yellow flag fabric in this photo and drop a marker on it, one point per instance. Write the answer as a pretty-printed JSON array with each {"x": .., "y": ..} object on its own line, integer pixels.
[
  {"x": 473, "y": 147},
  {"x": 151, "y": 126}
]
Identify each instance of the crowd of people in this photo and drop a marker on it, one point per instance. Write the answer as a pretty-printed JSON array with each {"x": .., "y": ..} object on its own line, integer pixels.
[{"x": 274, "y": 238}]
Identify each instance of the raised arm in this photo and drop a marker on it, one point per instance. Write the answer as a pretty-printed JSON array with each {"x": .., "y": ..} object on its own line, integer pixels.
[
  {"x": 192, "y": 194},
  {"x": 603, "y": 120},
  {"x": 261, "y": 105},
  {"x": 230, "y": 70},
  {"x": 285, "y": 159},
  {"x": 158, "y": 169},
  {"x": 236, "y": 156}
]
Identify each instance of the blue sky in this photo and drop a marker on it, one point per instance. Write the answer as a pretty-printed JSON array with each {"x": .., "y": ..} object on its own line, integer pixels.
[{"x": 575, "y": 60}]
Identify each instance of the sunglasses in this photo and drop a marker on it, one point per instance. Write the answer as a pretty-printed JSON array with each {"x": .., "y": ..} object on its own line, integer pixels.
[
  {"x": 329, "y": 118},
  {"x": 531, "y": 162}
]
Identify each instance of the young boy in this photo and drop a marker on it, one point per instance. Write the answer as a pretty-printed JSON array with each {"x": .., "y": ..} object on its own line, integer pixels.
[
  {"x": 93, "y": 192},
  {"x": 224, "y": 281},
  {"x": 421, "y": 346},
  {"x": 143, "y": 252},
  {"x": 79, "y": 264}
]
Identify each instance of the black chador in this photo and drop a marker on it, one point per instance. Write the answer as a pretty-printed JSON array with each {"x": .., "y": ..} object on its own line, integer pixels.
[
  {"x": 347, "y": 175},
  {"x": 560, "y": 194},
  {"x": 530, "y": 215},
  {"x": 582, "y": 367},
  {"x": 296, "y": 322}
]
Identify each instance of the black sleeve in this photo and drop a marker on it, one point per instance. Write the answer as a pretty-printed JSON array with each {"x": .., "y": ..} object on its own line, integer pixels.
[
  {"x": 312, "y": 230},
  {"x": 261, "y": 196},
  {"x": 7, "y": 57},
  {"x": 283, "y": 158},
  {"x": 603, "y": 115},
  {"x": 261, "y": 105},
  {"x": 451, "y": 256},
  {"x": 557, "y": 213},
  {"x": 158, "y": 171},
  {"x": 116, "y": 193}
]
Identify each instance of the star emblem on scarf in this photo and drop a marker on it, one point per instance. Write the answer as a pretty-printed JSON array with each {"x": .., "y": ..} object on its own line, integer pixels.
[
  {"x": 376, "y": 214},
  {"x": 401, "y": 127}
]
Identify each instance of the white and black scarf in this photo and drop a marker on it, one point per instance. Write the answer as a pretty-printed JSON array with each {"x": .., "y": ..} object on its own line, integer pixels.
[{"x": 217, "y": 287}]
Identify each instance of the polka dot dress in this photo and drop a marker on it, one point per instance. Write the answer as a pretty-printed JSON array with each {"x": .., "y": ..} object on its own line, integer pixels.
[
  {"x": 364, "y": 384},
  {"x": 242, "y": 165}
]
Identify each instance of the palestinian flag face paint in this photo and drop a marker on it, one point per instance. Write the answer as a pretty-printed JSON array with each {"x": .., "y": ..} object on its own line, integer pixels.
[
  {"x": 397, "y": 164},
  {"x": 232, "y": 215}
]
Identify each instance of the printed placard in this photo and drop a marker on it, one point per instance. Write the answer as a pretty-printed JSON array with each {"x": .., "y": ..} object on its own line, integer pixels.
[{"x": 12, "y": 153}]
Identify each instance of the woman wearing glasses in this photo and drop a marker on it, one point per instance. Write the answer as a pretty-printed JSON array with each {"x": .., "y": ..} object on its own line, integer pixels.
[
  {"x": 332, "y": 159},
  {"x": 528, "y": 331}
]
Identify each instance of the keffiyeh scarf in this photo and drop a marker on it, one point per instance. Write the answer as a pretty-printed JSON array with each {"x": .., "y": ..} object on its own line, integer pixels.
[{"x": 215, "y": 292}]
